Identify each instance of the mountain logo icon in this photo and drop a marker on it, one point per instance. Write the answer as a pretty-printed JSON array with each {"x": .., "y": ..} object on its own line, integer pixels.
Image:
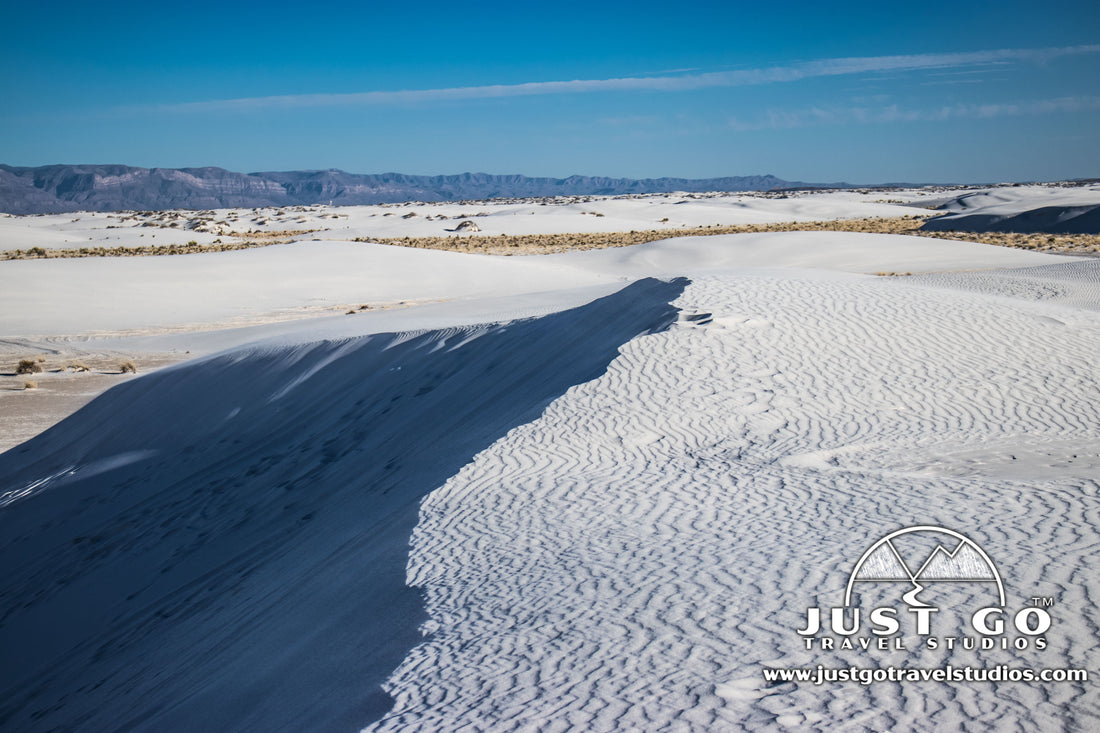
[{"x": 920, "y": 556}]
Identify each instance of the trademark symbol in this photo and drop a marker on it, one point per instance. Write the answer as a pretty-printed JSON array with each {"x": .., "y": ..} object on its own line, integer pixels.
[{"x": 1042, "y": 601}]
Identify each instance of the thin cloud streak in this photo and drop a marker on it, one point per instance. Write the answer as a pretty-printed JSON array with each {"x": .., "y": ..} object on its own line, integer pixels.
[
  {"x": 688, "y": 82},
  {"x": 816, "y": 116}
]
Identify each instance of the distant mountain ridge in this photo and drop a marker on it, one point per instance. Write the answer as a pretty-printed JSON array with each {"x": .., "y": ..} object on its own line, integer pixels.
[{"x": 61, "y": 188}]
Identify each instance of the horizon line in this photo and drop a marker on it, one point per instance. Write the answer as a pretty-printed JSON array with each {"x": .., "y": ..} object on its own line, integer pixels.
[{"x": 795, "y": 183}]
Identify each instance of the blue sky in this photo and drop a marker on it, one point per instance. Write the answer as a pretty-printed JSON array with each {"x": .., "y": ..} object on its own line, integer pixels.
[{"x": 862, "y": 92}]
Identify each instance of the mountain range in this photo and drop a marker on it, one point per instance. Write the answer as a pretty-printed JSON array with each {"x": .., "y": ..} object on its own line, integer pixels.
[{"x": 60, "y": 188}]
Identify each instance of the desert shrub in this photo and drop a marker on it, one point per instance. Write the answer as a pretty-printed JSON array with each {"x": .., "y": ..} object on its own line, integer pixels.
[
  {"x": 128, "y": 366},
  {"x": 30, "y": 385},
  {"x": 78, "y": 366},
  {"x": 28, "y": 366}
]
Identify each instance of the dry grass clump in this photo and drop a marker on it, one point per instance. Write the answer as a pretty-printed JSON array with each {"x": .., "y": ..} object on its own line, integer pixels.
[
  {"x": 360, "y": 309},
  {"x": 30, "y": 385},
  {"x": 128, "y": 366},
  {"x": 141, "y": 251},
  {"x": 246, "y": 240},
  {"x": 29, "y": 366},
  {"x": 281, "y": 236}
]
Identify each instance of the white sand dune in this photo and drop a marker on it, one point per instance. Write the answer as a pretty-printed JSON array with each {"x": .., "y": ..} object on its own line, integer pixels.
[
  {"x": 1022, "y": 209},
  {"x": 78, "y": 296},
  {"x": 1008, "y": 200},
  {"x": 241, "y": 565},
  {"x": 656, "y": 534},
  {"x": 832, "y": 251},
  {"x": 45, "y": 298},
  {"x": 157, "y": 310},
  {"x": 622, "y": 492}
]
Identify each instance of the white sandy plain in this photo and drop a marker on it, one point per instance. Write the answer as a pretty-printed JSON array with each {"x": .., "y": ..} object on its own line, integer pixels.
[
  {"x": 623, "y": 488},
  {"x": 533, "y": 216}
]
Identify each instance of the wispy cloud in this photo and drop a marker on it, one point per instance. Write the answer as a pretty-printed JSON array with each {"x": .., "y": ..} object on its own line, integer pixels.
[
  {"x": 815, "y": 116},
  {"x": 951, "y": 82},
  {"x": 680, "y": 83}
]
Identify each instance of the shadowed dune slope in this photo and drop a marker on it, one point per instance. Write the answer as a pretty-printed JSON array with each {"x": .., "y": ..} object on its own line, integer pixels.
[
  {"x": 222, "y": 545},
  {"x": 1046, "y": 219}
]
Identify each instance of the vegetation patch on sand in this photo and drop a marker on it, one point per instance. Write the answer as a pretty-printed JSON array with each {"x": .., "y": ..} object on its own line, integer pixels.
[
  {"x": 242, "y": 240},
  {"x": 522, "y": 244}
]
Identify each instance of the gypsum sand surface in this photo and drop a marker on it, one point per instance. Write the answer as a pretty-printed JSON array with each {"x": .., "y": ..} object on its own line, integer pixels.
[{"x": 627, "y": 559}]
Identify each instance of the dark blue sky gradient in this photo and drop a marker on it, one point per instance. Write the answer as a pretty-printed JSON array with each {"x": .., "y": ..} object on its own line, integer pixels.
[{"x": 119, "y": 82}]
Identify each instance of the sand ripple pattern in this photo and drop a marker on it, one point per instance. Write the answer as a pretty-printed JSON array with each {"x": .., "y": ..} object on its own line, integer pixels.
[
  {"x": 632, "y": 559},
  {"x": 1075, "y": 283}
]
